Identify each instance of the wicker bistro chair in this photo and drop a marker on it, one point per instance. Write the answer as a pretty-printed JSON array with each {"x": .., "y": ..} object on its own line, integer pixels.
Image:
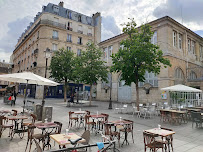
[
  {"x": 89, "y": 123},
  {"x": 129, "y": 128},
  {"x": 169, "y": 140},
  {"x": 72, "y": 118},
  {"x": 32, "y": 136},
  {"x": 32, "y": 120},
  {"x": 135, "y": 110},
  {"x": 151, "y": 143},
  {"x": 4, "y": 125},
  {"x": 112, "y": 134},
  {"x": 163, "y": 116},
  {"x": 15, "y": 112}
]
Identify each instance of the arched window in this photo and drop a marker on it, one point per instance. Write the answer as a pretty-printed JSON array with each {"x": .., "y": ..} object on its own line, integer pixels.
[
  {"x": 179, "y": 76},
  {"x": 150, "y": 78},
  {"x": 192, "y": 75}
]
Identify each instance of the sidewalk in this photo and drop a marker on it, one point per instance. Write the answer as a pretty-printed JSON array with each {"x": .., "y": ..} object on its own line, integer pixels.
[{"x": 186, "y": 139}]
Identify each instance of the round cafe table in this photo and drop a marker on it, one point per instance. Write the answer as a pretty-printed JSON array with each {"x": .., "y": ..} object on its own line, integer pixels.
[
  {"x": 18, "y": 125},
  {"x": 47, "y": 128},
  {"x": 80, "y": 115}
]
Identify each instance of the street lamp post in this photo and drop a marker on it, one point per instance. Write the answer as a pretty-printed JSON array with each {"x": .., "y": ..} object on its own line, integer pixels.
[
  {"x": 110, "y": 101},
  {"x": 47, "y": 53}
]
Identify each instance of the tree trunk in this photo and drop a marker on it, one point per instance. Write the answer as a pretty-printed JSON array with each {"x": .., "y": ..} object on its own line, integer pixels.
[
  {"x": 90, "y": 95},
  {"x": 77, "y": 92},
  {"x": 137, "y": 95},
  {"x": 65, "y": 90}
]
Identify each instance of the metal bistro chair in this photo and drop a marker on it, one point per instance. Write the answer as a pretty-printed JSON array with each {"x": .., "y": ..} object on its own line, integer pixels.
[{"x": 135, "y": 110}]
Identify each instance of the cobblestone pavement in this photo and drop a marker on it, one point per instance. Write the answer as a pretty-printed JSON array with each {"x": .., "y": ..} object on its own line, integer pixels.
[{"x": 186, "y": 139}]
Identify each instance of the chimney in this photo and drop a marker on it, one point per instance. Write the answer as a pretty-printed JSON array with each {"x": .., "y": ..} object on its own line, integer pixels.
[{"x": 61, "y": 4}]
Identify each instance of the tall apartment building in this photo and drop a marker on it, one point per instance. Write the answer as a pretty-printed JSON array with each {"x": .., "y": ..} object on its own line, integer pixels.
[
  {"x": 179, "y": 44},
  {"x": 54, "y": 28}
]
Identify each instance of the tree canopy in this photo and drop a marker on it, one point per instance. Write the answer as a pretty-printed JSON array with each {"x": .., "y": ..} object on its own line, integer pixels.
[
  {"x": 62, "y": 66},
  {"x": 93, "y": 68},
  {"x": 137, "y": 55}
]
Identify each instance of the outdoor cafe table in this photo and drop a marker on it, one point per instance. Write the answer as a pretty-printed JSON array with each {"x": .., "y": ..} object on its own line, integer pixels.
[
  {"x": 47, "y": 128},
  {"x": 176, "y": 113},
  {"x": 161, "y": 132},
  {"x": 125, "y": 126},
  {"x": 80, "y": 114},
  {"x": 98, "y": 118},
  {"x": 18, "y": 125},
  {"x": 62, "y": 139}
]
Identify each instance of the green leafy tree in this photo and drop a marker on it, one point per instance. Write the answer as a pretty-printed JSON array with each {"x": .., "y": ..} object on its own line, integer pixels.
[
  {"x": 61, "y": 67},
  {"x": 138, "y": 55},
  {"x": 93, "y": 68}
]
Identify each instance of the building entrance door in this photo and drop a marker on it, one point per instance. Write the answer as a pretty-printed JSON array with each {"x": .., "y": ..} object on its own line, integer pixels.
[{"x": 124, "y": 92}]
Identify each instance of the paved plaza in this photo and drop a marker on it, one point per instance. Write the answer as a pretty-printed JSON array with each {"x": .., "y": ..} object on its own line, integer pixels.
[{"x": 186, "y": 139}]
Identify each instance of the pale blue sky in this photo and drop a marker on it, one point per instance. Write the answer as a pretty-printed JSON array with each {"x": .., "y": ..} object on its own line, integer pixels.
[{"x": 15, "y": 15}]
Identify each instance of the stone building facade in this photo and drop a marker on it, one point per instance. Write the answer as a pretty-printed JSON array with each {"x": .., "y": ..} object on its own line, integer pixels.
[
  {"x": 55, "y": 27},
  {"x": 179, "y": 44}
]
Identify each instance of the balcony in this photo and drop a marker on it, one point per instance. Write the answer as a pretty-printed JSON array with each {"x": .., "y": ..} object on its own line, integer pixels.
[
  {"x": 79, "y": 31},
  {"x": 80, "y": 43},
  {"x": 69, "y": 28},
  {"x": 69, "y": 41},
  {"x": 89, "y": 34},
  {"x": 36, "y": 51},
  {"x": 55, "y": 37},
  {"x": 34, "y": 64}
]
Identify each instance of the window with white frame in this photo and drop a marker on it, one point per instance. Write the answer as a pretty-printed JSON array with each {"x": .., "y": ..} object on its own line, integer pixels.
[
  {"x": 69, "y": 38},
  {"x": 122, "y": 46},
  {"x": 150, "y": 78},
  {"x": 193, "y": 47},
  {"x": 54, "y": 47},
  {"x": 69, "y": 25},
  {"x": 68, "y": 48},
  {"x": 80, "y": 28},
  {"x": 79, "y": 52},
  {"x": 105, "y": 52},
  {"x": 55, "y": 34},
  {"x": 189, "y": 45},
  {"x": 180, "y": 41},
  {"x": 89, "y": 32},
  {"x": 80, "y": 40},
  {"x": 174, "y": 38},
  {"x": 179, "y": 76},
  {"x": 192, "y": 75},
  {"x": 154, "y": 38},
  {"x": 110, "y": 51}
]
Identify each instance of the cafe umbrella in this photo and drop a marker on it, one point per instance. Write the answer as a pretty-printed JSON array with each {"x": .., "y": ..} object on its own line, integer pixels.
[{"x": 27, "y": 78}]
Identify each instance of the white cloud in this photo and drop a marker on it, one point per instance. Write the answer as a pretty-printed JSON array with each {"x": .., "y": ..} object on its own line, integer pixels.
[{"x": 114, "y": 13}]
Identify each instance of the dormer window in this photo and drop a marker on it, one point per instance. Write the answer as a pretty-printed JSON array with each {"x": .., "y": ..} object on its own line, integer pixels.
[
  {"x": 79, "y": 18},
  {"x": 56, "y": 9},
  {"x": 69, "y": 15}
]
